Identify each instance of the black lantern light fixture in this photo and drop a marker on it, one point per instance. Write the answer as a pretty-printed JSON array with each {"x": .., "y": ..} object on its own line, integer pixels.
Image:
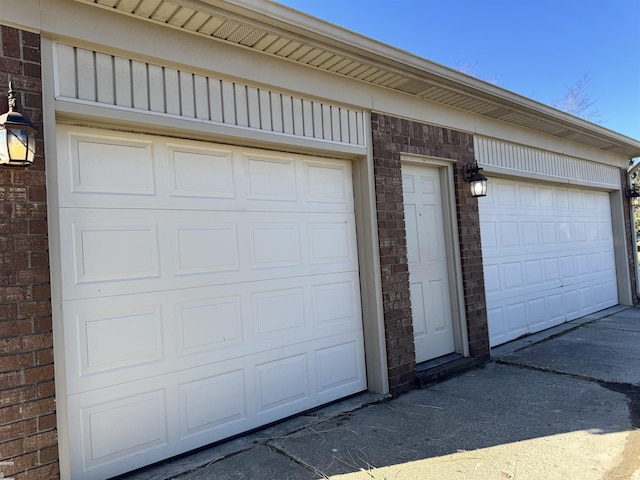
[
  {"x": 477, "y": 181},
  {"x": 634, "y": 196},
  {"x": 17, "y": 136}
]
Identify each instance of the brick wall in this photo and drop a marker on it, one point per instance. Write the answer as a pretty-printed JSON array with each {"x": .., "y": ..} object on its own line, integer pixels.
[
  {"x": 392, "y": 137},
  {"x": 632, "y": 249},
  {"x": 28, "y": 439}
]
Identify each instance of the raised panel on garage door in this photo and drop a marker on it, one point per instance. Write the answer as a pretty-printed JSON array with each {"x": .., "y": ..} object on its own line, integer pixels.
[
  {"x": 212, "y": 291},
  {"x": 547, "y": 254}
]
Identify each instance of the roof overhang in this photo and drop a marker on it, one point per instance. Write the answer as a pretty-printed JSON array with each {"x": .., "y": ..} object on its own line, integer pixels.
[{"x": 274, "y": 29}]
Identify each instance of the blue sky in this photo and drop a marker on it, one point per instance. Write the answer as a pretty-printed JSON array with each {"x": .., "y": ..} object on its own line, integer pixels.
[{"x": 536, "y": 48}]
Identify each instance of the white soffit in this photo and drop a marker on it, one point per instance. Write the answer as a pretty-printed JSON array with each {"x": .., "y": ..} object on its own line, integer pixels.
[{"x": 274, "y": 29}]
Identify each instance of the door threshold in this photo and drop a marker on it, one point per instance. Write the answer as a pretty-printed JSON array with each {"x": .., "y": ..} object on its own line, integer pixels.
[
  {"x": 436, "y": 362},
  {"x": 443, "y": 368}
]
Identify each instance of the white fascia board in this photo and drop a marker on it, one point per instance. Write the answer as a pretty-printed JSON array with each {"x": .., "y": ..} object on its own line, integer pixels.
[
  {"x": 404, "y": 62},
  {"x": 67, "y": 19},
  {"x": 106, "y": 31},
  {"x": 23, "y": 14},
  {"x": 112, "y": 32}
]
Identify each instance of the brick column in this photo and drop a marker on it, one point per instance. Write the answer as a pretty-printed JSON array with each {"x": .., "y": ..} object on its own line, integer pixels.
[
  {"x": 28, "y": 437},
  {"x": 632, "y": 249},
  {"x": 391, "y": 137}
]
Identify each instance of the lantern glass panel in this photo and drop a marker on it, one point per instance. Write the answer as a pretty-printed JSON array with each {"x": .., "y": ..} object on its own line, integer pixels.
[
  {"x": 4, "y": 150},
  {"x": 20, "y": 143},
  {"x": 478, "y": 188}
]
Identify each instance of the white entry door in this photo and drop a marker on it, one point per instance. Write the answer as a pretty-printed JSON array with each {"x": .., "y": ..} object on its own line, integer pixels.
[{"x": 428, "y": 273}]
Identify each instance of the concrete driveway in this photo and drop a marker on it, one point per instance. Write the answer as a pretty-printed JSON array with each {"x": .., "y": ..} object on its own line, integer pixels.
[{"x": 563, "y": 404}]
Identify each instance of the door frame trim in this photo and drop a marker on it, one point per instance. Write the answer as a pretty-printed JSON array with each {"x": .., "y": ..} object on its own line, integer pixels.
[{"x": 445, "y": 168}]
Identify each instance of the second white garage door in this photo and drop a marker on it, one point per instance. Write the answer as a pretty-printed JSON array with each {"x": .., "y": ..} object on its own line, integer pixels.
[
  {"x": 548, "y": 256},
  {"x": 206, "y": 290}
]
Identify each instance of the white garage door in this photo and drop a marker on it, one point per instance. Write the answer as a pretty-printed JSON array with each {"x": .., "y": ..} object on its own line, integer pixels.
[
  {"x": 547, "y": 254},
  {"x": 206, "y": 290}
]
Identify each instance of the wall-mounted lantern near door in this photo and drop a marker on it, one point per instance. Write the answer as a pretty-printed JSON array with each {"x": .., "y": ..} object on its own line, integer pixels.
[
  {"x": 17, "y": 136},
  {"x": 633, "y": 195},
  {"x": 477, "y": 181}
]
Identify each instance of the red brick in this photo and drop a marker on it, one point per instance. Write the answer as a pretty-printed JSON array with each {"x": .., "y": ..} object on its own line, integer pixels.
[
  {"x": 8, "y": 277},
  {"x": 13, "y": 260},
  {"x": 42, "y": 324},
  {"x": 38, "y": 374},
  {"x": 6, "y": 210},
  {"x": 17, "y": 429},
  {"x": 9, "y": 380},
  {"x": 10, "y": 345},
  {"x": 10, "y": 449},
  {"x": 21, "y": 463},
  {"x": 35, "y": 309},
  {"x": 32, "y": 277},
  {"x": 41, "y": 292},
  {"x": 30, "y": 178},
  {"x": 30, "y": 210},
  {"x": 39, "y": 259},
  {"x": 30, "y": 39},
  {"x": 25, "y": 244},
  {"x": 39, "y": 407},
  {"x": 46, "y": 389},
  {"x": 10, "y": 43},
  {"x": 11, "y": 328},
  {"x": 7, "y": 244},
  {"x": 38, "y": 341},
  {"x": 44, "y": 357},
  {"x": 16, "y": 395},
  {"x": 18, "y": 361},
  {"x": 45, "y": 472},
  {"x": 33, "y": 100},
  {"x": 48, "y": 455},
  {"x": 10, "y": 65},
  {"x": 13, "y": 294},
  {"x": 13, "y": 194},
  {"x": 11, "y": 414},
  {"x": 30, "y": 54},
  {"x": 46, "y": 422},
  {"x": 40, "y": 440},
  {"x": 37, "y": 194}
]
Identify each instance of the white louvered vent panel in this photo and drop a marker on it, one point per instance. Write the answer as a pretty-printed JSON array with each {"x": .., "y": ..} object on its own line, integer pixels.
[
  {"x": 525, "y": 160},
  {"x": 88, "y": 76}
]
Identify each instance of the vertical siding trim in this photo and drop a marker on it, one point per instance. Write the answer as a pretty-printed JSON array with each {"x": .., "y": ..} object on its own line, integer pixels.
[
  {"x": 528, "y": 160},
  {"x": 85, "y": 61},
  {"x": 105, "y": 85},
  {"x": 122, "y": 79},
  {"x": 95, "y": 77}
]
